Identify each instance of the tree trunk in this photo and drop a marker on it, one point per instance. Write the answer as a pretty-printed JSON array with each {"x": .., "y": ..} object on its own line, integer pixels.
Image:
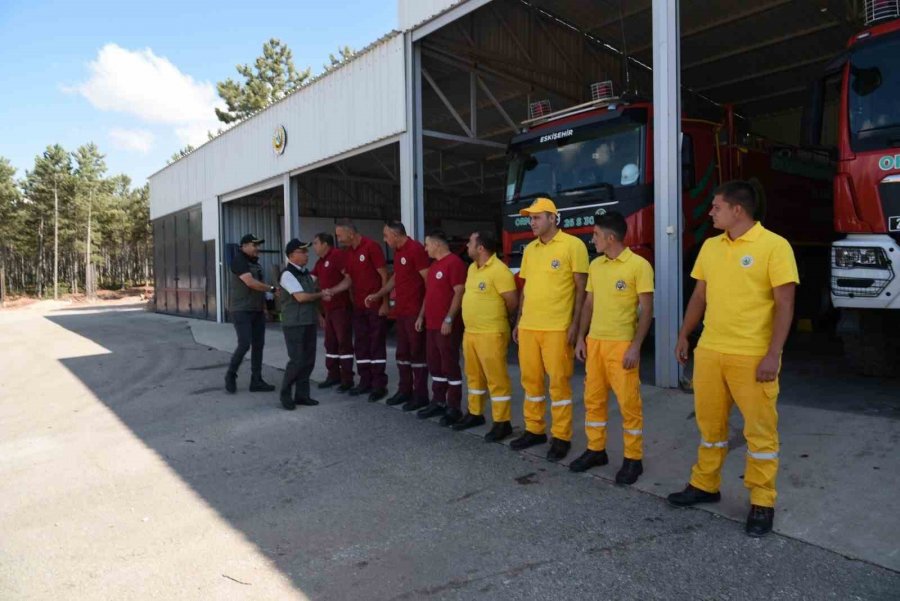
[
  {"x": 40, "y": 273},
  {"x": 89, "y": 290},
  {"x": 55, "y": 243},
  {"x": 3, "y": 278}
]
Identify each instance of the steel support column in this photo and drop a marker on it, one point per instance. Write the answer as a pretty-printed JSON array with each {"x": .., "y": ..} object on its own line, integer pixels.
[
  {"x": 667, "y": 186},
  {"x": 291, "y": 209},
  {"x": 412, "y": 189}
]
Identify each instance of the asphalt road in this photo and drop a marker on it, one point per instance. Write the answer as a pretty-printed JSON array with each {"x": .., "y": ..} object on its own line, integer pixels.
[{"x": 126, "y": 472}]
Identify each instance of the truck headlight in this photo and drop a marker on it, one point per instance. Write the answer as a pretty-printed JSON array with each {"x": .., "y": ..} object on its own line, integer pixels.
[{"x": 846, "y": 257}]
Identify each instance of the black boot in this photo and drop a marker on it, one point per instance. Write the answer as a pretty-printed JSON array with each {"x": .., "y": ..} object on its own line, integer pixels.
[
  {"x": 431, "y": 410},
  {"x": 629, "y": 472},
  {"x": 415, "y": 404},
  {"x": 588, "y": 460},
  {"x": 286, "y": 401},
  {"x": 498, "y": 432},
  {"x": 360, "y": 389},
  {"x": 307, "y": 402},
  {"x": 759, "y": 521},
  {"x": 328, "y": 383},
  {"x": 527, "y": 439},
  {"x": 451, "y": 417},
  {"x": 230, "y": 382},
  {"x": 558, "y": 449},
  {"x": 257, "y": 384},
  {"x": 345, "y": 387},
  {"x": 692, "y": 495},
  {"x": 398, "y": 399},
  {"x": 469, "y": 421},
  {"x": 377, "y": 394}
]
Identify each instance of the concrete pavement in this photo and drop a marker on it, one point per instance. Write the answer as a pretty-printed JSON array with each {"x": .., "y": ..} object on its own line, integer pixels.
[
  {"x": 126, "y": 472},
  {"x": 836, "y": 467}
]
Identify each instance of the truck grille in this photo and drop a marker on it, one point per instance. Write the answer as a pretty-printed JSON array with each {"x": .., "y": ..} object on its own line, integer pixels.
[{"x": 859, "y": 287}]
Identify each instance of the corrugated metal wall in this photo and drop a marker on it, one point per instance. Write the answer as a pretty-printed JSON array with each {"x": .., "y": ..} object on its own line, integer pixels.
[
  {"x": 263, "y": 216},
  {"x": 183, "y": 266},
  {"x": 329, "y": 196},
  {"x": 413, "y": 12},
  {"x": 355, "y": 105}
]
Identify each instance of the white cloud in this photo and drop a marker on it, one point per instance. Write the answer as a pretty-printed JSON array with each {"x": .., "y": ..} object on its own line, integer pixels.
[
  {"x": 139, "y": 140},
  {"x": 151, "y": 88}
]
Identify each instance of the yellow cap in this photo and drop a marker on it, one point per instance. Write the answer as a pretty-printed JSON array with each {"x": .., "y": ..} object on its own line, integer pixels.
[{"x": 540, "y": 205}]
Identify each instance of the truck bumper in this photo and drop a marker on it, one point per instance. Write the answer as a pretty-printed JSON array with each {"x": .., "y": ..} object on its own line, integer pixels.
[{"x": 867, "y": 287}]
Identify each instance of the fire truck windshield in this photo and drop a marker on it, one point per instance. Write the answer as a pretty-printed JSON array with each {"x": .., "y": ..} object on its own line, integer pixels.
[
  {"x": 595, "y": 157},
  {"x": 874, "y": 95}
]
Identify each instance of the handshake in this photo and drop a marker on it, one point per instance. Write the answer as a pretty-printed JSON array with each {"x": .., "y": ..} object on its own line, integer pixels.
[{"x": 327, "y": 294}]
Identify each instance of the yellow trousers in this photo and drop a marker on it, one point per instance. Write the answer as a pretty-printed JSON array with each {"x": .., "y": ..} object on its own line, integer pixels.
[
  {"x": 547, "y": 353},
  {"x": 487, "y": 373},
  {"x": 604, "y": 371},
  {"x": 719, "y": 381}
]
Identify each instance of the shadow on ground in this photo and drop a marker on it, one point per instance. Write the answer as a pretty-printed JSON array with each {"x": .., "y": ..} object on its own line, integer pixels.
[{"x": 353, "y": 501}]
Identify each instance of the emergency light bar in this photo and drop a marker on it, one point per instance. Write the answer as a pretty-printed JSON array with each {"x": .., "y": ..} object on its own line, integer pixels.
[
  {"x": 881, "y": 10},
  {"x": 603, "y": 90},
  {"x": 538, "y": 109}
]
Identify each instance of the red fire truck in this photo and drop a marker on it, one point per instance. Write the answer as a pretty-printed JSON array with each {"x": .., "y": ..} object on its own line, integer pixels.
[
  {"x": 598, "y": 157},
  {"x": 865, "y": 285}
]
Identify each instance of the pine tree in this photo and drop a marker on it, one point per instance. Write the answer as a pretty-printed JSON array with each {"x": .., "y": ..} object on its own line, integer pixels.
[{"x": 271, "y": 78}]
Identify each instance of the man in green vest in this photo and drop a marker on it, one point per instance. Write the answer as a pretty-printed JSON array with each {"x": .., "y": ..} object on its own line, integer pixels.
[
  {"x": 247, "y": 313},
  {"x": 300, "y": 313}
]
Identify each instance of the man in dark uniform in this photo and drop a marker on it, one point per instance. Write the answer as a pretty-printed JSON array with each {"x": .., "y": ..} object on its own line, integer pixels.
[
  {"x": 440, "y": 318},
  {"x": 300, "y": 312},
  {"x": 329, "y": 272},
  {"x": 248, "y": 303},
  {"x": 408, "y": 283},
  {"x": 368, "y": 274}
]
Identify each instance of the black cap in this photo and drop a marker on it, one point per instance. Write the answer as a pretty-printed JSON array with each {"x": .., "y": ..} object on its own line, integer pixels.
[
  {"x": 248, "y": 238},
  {"x": 293, "y": 245}
]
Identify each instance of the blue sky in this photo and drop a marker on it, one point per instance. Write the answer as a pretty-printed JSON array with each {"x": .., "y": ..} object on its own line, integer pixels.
[{"x": 137, "y": 77}]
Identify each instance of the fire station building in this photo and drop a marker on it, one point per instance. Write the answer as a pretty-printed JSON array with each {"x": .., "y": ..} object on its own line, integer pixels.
[{"x": 426, "y": 125}]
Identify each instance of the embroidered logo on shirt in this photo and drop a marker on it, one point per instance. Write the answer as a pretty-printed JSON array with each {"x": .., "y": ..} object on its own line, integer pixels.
[
  {"x": 362, "y": 258},
  {"x": 327, "y": 263},
  {"x": 620, "y": 285},
  {"x": 746, "y": 261},
  {"x": 403, "y": 260},
  {"x": 439, "y": 275},
  {"x": 554, "y": 263},
  {"x": 482, "y": 286}
]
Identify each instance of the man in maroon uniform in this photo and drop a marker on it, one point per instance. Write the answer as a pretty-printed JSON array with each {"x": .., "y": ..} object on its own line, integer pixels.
[
  {"x": 368, "y": 274},
  {"x": 443, "y": 324},
  {"x": 408, "y": 284},
  {"x": 329, "y": 271}
]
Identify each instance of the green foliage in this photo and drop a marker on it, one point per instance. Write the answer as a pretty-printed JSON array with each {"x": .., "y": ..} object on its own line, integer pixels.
[
  {"x": 181, "y": 153},
  {"x": 344, "y": 54},
  {"x": 118, "y": 216},
  {"x": 271, "y": 77}
]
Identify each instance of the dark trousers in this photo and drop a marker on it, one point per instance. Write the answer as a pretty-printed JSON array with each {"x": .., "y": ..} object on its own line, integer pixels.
[
  {"x": 301, "y": 348},
  {"x": 443, "y": 364},
  {"x": 251, "y": 334},
  {"x": 339, "y": 345},
  {"x": 369, "y": 331},
  {"x": 411, "y": 359}
]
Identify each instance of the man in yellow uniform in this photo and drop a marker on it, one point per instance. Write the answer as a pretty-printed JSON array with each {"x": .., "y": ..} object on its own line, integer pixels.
[
  {"x": 554, "y": 267},
  {"x": 488, "y": 302},
  {"x": 609, "y": 340},
  {"x": 746, "y": 280}
]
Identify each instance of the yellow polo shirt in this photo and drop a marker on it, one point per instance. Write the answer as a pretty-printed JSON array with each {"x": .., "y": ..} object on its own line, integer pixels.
[
  {"x": 483, "y": 309},
  {"x": 615, "y": 285},
  {"x": 548, "y": 271},
  {"x": 740, "y": 275}
]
